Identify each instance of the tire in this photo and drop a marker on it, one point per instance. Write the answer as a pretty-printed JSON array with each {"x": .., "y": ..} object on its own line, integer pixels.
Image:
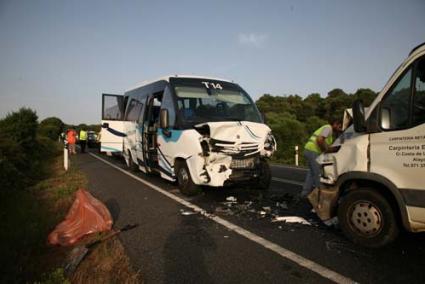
[
  {"x": 367, "y": 218},
  {"x": 130, "y": 163},
  {"x": 184, "y": 180},
  {"x": 265, "y": 178}
]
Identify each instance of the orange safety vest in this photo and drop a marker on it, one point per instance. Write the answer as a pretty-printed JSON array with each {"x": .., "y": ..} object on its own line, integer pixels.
[{"x": 71, "y": 136}]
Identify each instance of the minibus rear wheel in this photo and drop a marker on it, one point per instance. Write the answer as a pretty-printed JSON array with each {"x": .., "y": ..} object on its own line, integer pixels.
[
  {"x": 184, "y": 180},
  {"x": 367, "y": 218}
]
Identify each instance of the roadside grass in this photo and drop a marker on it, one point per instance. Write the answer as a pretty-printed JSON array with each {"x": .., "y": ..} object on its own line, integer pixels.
[
  {"x": 107, "y": 263},
  {"x": 28, "y": 216}
]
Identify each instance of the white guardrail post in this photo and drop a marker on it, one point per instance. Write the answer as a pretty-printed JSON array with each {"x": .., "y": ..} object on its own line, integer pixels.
[
  {"x": 65, "y": 157},
  {"x": 296, "y": 155}
]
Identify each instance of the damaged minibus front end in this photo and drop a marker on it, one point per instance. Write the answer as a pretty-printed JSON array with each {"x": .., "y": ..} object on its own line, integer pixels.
[{"x": 234, "y": 152}]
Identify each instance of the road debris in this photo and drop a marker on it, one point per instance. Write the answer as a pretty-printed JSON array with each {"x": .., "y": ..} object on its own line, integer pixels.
[
  {"x": 282, "y": 205},
  {"x": 231, "y": 199},
  {"x": 291, "y": 219},
  {"x": 331, "y": 222},
  {"x": 87, "y": 215},
  {"x": 187, "y": 213},
  {"x": 226, "y": 211}
]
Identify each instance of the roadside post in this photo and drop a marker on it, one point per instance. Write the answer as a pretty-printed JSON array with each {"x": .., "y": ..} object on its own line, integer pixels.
[
  {"x": 65, "y": 157},
  {"x": 296, "y": 155}
]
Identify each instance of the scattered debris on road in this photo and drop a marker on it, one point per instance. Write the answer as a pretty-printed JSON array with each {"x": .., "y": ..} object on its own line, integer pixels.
[
  {"x": 187, "y": 213},
  {"x": 291, "y": 219},
  {"x": 331, "y": 222},
  {"x": 231, "y": 199}
]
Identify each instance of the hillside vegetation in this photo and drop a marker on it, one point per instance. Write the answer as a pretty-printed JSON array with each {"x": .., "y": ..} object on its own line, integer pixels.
[{"x": 293, "y": 118}]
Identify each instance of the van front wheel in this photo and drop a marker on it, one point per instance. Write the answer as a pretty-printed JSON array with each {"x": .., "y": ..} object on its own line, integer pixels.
[
  {"x": 186, "y": 185},
  {"x": 367, "y": 218}
]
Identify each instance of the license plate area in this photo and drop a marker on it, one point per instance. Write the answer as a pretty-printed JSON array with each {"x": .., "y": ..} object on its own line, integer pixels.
[{"x": 242, "y": 163}]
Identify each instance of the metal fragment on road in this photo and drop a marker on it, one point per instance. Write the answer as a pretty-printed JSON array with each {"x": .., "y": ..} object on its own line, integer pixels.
[
  {"x": 187, "y": 213},
  {"x": 231, "y": 199},
  {"x": 291, "y": 219}
]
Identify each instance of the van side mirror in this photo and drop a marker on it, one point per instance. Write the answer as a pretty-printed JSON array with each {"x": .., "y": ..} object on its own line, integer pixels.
[
  {"x": 163, "y": 122},
  {"x": 359, "y": 116},
  {"x": 385, "y": 118}
]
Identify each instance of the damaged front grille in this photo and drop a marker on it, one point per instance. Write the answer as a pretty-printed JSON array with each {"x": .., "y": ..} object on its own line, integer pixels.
[
  {"x": 243, "y": 163},
  {"x": 234, "y": 149}
]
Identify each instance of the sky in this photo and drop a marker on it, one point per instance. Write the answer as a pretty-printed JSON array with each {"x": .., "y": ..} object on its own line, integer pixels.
[{"x": 58, "y": 57}]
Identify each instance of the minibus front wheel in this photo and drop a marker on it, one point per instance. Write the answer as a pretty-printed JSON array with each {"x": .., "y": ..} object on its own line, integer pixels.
[{"x": 184, "y": 180}]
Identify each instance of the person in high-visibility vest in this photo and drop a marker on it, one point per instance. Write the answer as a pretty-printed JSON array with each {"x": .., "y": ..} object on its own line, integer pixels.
[
  {"x": 320, "y": 142},
  {"x": 83, "y": 140}
]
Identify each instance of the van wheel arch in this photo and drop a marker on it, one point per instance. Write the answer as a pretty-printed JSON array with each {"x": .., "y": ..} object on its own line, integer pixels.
[{"x": 397, "y": 204}]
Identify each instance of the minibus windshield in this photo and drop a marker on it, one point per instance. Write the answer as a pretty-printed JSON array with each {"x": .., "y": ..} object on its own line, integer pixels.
[{"x": 202, "y": 104}]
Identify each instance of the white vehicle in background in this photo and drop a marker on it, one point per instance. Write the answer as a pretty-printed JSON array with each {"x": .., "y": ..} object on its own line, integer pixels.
[
  {"x": 196, "y": 130},
  {"x": 375, "y": 183}
]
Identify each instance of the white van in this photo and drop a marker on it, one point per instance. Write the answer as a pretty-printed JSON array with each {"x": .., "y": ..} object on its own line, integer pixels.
[
  {"x": 375, "y": 182},
  {"x": 196, "y": 130}
]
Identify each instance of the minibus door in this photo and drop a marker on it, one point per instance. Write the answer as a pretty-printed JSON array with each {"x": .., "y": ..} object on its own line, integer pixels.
[
  {"x": 150, "y": 155},
  {"x": 112, "y": 131}
]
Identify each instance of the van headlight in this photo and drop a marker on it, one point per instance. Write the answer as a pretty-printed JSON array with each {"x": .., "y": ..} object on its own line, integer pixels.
[{"x": 270, "y": 143}]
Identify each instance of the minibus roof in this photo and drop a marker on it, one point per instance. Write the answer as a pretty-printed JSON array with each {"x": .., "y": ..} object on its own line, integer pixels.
[
  {"x": 167, "y": 78},
  {"x": 417, "y": 48}
]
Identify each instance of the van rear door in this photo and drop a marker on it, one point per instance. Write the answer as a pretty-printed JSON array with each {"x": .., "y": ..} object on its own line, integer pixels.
[{"x": 112, "y": 132}]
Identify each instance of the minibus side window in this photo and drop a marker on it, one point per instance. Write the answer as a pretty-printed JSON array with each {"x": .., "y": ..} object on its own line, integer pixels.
[
  {"x": 113, "y": 107},
  {"x": 395, "y": 107},
  {"x": 167, "y": 103},
  {"x": 419, "y": 98},
  {"x": 134, "y": 109}
]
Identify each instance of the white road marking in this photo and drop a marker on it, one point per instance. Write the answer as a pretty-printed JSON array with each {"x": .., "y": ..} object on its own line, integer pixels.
[
  {"x": 298, "y": 259},
  {"x": 288, "y": 181}
]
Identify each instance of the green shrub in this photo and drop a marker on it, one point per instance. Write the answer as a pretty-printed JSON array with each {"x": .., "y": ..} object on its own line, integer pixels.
[{"x": 51, "y": 127}]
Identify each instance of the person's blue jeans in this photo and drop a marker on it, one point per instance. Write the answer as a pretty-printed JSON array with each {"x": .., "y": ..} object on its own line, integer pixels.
[{"x": 312, "y": 179}]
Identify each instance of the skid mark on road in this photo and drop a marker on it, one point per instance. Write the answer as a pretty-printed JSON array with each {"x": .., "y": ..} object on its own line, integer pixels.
[{"x": 298, "y": 259}]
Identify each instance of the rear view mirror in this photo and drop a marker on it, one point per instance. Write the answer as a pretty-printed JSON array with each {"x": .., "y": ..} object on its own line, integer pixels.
[
  {"x": 163, "y": 119},
  {"x": 359, "y": 116},
  {"x": 163, "y": 122},
  {"x": 385, "y": 118}
]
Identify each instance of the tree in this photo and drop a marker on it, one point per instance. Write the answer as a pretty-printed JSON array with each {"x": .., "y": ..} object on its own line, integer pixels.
[
  {"x": 288, "y": 132},
  {"x": 51, "y": 127},
  {"x": 21, "y": 127},
  {"x": 365, "y": 95}
]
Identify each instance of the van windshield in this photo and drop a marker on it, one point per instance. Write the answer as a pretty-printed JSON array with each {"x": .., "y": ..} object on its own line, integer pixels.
[{"x": 203, "y": 104}]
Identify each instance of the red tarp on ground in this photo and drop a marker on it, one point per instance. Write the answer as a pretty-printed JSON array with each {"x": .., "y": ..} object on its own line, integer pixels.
[{"x": 87, "y": 215}]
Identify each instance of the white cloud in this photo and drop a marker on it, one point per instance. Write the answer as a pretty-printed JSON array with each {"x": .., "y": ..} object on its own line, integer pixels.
[{"x": 252, "y": 39}]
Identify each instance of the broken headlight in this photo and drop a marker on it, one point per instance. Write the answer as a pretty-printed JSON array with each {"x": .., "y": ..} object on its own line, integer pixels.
[{"x": 270, "y": 143}]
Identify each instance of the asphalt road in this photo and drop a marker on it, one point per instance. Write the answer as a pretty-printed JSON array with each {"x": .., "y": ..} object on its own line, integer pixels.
[{"x": 171, "y": 247}]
